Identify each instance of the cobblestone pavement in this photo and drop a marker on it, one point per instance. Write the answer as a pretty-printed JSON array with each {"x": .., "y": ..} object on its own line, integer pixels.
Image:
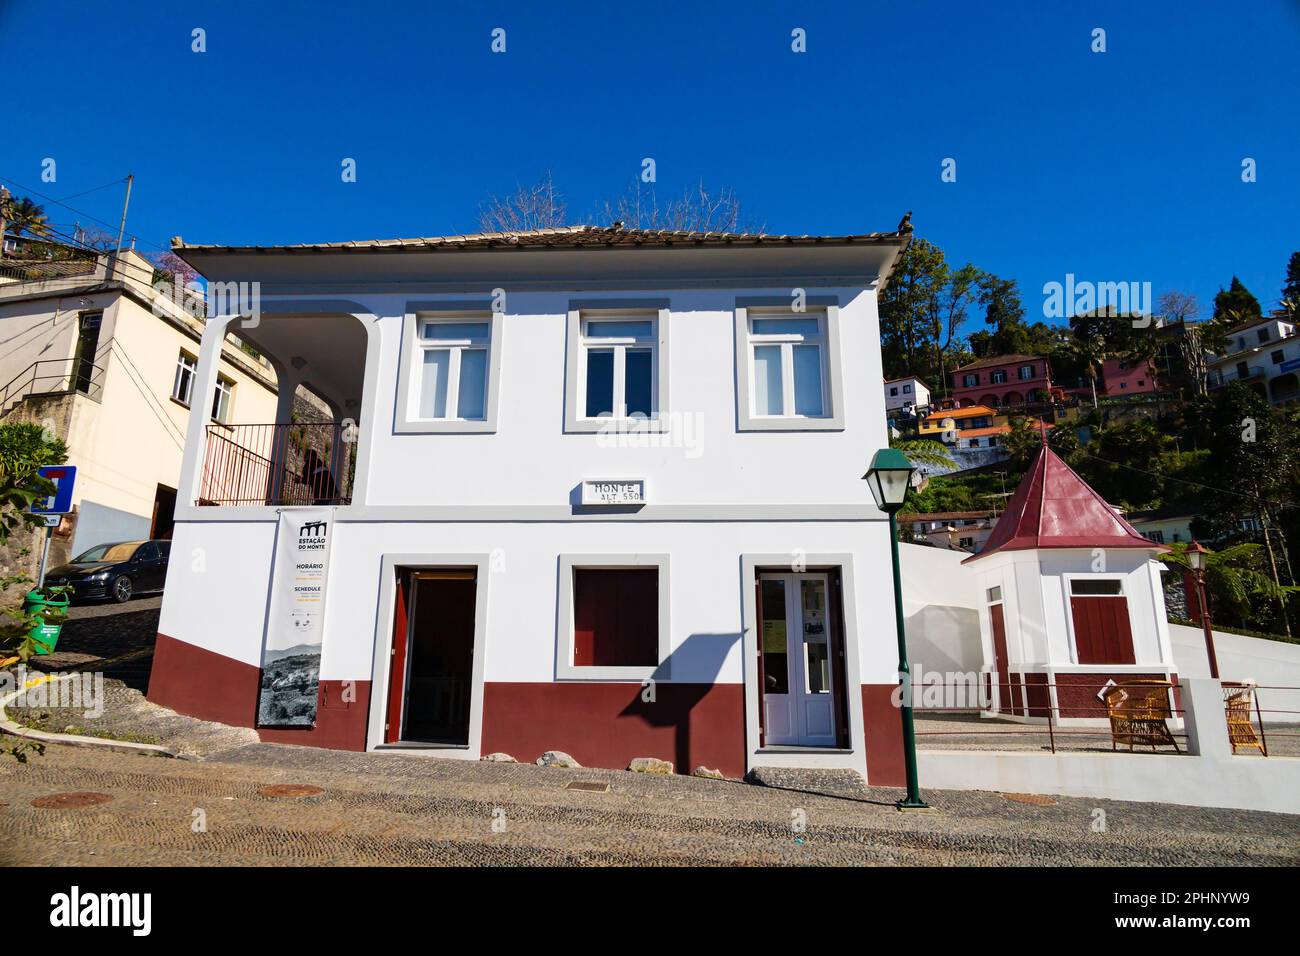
[
  {"x": 116, "y": 639},
  {"x": 409, "y": 809}
]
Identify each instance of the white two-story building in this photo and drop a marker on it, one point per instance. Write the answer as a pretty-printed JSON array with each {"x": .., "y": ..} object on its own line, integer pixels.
[
  {"x": 598, "y": 490},
  {"x": 1265, "y": 354}
]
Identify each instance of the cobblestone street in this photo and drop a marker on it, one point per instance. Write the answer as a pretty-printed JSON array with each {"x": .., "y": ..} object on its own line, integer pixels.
[{"x": 397, "y": 809}]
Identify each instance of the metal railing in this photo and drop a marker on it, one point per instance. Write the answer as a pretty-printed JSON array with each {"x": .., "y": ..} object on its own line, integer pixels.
[
  {"x": 53, "y": 377},
  {"x": 301, "y": 463},
  {"x": 1040, "y": 701}
]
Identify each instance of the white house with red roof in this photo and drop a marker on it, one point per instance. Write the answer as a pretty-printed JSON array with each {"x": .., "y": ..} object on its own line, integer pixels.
[{"x": 1072, "y": 597}]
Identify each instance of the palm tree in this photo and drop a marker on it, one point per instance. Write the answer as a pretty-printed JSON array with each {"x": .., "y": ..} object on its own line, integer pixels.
[
  {"x": 923, "y": 451},
  {"x": 26, "y": 216},
  {"x": 1091, "y": 351},
  {"x": 1233, "y": 578}
]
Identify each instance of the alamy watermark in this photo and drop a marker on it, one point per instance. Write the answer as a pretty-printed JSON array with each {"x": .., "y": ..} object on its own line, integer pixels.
[
  {"x": 1072, "y": 297},
  {"x": 239, "y": 299},
  {"x": 667, "y": 430},
  {"x": 74, "y": 690},
  {"x": 943, "y": 690}
]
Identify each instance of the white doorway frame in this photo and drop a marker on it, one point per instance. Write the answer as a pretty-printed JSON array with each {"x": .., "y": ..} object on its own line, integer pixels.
[{"x": 852, "y": 757}]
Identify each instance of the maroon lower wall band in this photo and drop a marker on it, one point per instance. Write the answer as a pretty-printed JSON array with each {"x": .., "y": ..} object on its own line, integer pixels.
[{"x": 599, "y": 723}]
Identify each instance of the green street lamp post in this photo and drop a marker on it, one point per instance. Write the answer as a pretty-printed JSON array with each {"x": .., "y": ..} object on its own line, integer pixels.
[{"x": 890, "y": 477}]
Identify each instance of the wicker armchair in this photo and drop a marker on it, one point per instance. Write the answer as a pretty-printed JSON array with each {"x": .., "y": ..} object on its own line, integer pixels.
[
  {"x": 1238, "y": 702},
  {"x": 1138, "y": 710}
]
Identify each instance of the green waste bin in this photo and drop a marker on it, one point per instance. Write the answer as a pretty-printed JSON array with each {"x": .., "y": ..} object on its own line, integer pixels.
[{"x": 45, "y": 635}]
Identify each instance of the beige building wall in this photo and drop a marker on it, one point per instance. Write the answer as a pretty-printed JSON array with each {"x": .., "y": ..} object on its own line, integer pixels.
[
  {"x": 131, "y": 441},
  {"x": 127, "y": 436}
]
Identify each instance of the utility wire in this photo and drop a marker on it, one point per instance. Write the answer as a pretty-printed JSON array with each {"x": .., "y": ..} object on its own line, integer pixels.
[
  {"x": 1195, "y": 484},
  {"x": 81, "y": 212},
  {"x": 139, "y": 381}
]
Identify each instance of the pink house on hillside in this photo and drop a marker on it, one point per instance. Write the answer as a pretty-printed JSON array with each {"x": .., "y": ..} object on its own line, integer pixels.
[
  {"x": 1127, "y": 378},
  {"x": 1002, "y": 380}
]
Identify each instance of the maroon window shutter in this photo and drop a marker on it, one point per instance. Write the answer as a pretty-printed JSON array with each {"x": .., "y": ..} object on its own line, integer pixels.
[
  {"x": 615, "y": 617},
  {"x": 1102, "y": 634}
]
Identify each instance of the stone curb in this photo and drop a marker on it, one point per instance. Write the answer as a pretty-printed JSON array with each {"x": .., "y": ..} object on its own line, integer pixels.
[{"x": 15, "y": 729}]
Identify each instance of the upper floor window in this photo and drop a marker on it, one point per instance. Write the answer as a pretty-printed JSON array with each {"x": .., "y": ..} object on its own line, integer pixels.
[
  {"x": 907, "y": 389},
  {"x": 1278, "y": 356},
  {"x": 788, "y": 366},
  {"x": 616, "y": 365},
  {"x": 618, "y": 358},
  {"x": 183, "y": 384},
  {"x": 999, "y": 377},
  {"x": 893, "y": 391},
  {"x": 1263, "y": 334},
  {"x": 449, "y": 375},
  {"x": 222, "y": 398},
  {"x": 453, "y": 370},
  {"x": 1026, "y": 372},
  {"x": 969, "y": 381}
]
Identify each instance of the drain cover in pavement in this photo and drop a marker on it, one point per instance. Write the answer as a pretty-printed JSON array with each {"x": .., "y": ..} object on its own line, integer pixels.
[
  {"x": 71, "y": 801},
  {"x": 591, "y": 785},
  {"x": 1037, "y": 799},
  {"x": 289, "y": 790}
]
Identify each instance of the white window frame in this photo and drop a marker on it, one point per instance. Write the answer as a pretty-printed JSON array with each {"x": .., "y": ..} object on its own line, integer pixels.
[
  {"x": 1027, "y": 373},
  {"x": 225, "y": 384},
  {"x": 826, "y": 310},
  {"x": 428, "y": 340},
  {"x": 411, "y": 369},
  {"x": 583, "y": 311},
  {"x": 185, "y": 363},
  {"x": 564, "y": 666}
]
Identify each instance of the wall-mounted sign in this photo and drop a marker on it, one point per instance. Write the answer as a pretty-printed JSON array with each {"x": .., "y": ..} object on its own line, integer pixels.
[
  {"x": 291, "y": 657},
  {"x": 614, "y": 491}
]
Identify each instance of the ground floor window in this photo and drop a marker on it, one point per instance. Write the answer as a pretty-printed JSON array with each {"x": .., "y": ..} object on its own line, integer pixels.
[{"x": 615, "y": 617}]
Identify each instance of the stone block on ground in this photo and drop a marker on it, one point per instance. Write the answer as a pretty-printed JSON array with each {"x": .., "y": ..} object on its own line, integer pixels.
[
  {"x": 650, "y": 765},
  {"x": 556, "y": 758}
]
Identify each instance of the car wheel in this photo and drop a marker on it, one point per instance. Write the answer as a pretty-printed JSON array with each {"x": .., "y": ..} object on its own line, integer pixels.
[{"x": 122, "y": 589}]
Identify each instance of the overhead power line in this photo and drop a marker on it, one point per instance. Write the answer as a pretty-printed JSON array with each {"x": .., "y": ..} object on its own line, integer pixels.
[{"x": 1195, "y": 484}]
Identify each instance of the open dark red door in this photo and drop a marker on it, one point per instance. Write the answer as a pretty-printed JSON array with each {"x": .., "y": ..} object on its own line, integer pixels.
[
  {"x": 1000, "y": 657},
  {"x": 762, "y": 680},
  {"x": 397, "y": 659}
]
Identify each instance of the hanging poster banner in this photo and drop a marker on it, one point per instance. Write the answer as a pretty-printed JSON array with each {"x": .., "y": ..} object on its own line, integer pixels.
[{"x": 291, "y": 655}]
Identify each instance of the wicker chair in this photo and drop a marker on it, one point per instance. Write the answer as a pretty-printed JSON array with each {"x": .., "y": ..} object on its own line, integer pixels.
[
  {"x": 1138, "y": 710},
  {"x": 1238, "y": 702}
]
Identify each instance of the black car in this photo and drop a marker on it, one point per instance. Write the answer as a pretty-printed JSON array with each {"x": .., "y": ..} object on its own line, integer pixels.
[{"x": 116, "y": 571}]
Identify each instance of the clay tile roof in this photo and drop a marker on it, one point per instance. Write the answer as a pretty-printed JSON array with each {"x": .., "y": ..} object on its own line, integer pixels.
[
  {"x": 1055, "y": 508},
  {"x": 569, "y": 237},
  {"x": 998, "y": 360},
  {"x": 969, "y": 411}
]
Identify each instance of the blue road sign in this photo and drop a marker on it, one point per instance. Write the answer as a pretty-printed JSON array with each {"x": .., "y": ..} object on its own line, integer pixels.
[{"x": 59, "y": 503}]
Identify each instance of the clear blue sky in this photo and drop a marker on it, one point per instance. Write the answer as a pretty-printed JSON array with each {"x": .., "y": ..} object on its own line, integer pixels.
[{"x": 1117, "y": 166}]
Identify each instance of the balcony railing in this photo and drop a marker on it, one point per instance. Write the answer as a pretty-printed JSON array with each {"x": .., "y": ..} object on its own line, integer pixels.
[{"x": 302, "y": 463}]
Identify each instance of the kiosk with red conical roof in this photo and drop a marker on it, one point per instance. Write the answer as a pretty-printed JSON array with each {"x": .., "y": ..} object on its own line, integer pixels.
[{"x": 1073, "y": 599}]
